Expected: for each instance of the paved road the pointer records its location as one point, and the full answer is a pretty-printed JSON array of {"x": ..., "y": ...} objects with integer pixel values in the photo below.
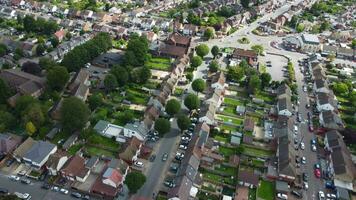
[
  {"x": 156, "y": 174},
  {"x": 34, "y": 189}
]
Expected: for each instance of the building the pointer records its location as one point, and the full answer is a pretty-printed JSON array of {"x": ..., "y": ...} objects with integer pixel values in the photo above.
[
  {"x": 330, "y": 120},
  {"x": 23, "y": 83},
  {"x": 109, "y": 130},
  {"x": 286, "y": 165},
  {"x": 292, "y": 43},
  {"x": 37, "y": 155},
  {"x": 79, "y": 87},
  {"x": 248, "y": 55},
  {"x": 136, "y": 129},
  {"x": 340, "y": 167},
  {"x": 219, "y": 81},
  {"x": 56, "y": 161},
  {"x": 326, "y": 102},
  {"x": 75, "y": 170},
  {"x": 284, "y": 106},
  {"x": 131, "y": 150},
  {"x": 310, "y": 43},
  {"x": 8, "y": 143}
]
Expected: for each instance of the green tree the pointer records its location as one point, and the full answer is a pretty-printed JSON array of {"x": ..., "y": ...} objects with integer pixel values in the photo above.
[
  {"x": 215, "y": 50},
  {"x": 74, "y": 114},
  {"x": 57, "y": 77},
  {"x": 245, "y": 3},
  {"x": 162, "y": 126},
  {"x": 140, "y": 75},
  {"x": 258, "y": 49},
  {"x": 30, "y": 128},
  {"x": 192, "y": 101},
  {"x": 172, "y": 107},
  {"x": 40, "y": 49},
  {"x": 324, "y": 26},
  {"x": 121, "y": 75},
  {"x": 352, "y": 98},
  {"x": 183, "y": 122},
  {"x": 23, "y": 102},
  {"x": 54, "y": 42},
  {"x": 340, "y": 88},
  {"x": 209, "y": 33},
  {"x": 134, "y": 181},
  {"x": 95, "y": 100},
  {"x": 196, "y": 61},
  {"x": 110, "y": 82},
  {"x": 214, "y": 66},
  {"x": 3, "y": 50},
  {"x": 265, "y": 79},
  {"x": 46, "y": 63},
  {"x": 254, "y": 84},
  {"x": 137, "y": 51},
  {"x": 300, "y": 27},
  {"x": 353, "y": 44},
  {"x": 198, "y": 85},
  {"x": 236, "y": 73},
  {"x": 34, "y": 114},
  {"x": 4, "y": 92},
  {"x": 202, "y": 50},
  {"x": 7, "y": 121}
]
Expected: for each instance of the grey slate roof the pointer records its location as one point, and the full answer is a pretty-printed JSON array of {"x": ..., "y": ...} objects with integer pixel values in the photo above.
[{"x": 39, "y": 151}]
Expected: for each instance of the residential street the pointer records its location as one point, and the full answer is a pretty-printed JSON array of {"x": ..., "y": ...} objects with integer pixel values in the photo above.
[{"x": 157, "y": 170}]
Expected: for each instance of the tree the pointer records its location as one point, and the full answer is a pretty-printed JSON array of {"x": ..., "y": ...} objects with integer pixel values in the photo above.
[
  {"x": 192, "y": 101},
  {"x": 353, "y": 44},
  {"x": 258, "y": 49},
  {"x": 4, "y": 92},
  {"x": 300, "y": 27},
  {"x": 209, "y": 33},
  {"x": 34, "y": 114},
  {"x": 134, "y": 181},
  {"x": 352, "y": 98},
  {"x": 95, "y": 100},
  {"x": 54, "y": 42},
  {"x": 202, "y": 50},
  {"x": 7, "y": 121},
  {"x": 254, "y": 84},
  {"x": 265, "y": 79},
  {"x": 245, "y": 3},
  {"x": 3, "y": 50},
  {"x": 137, "y": 51},
  {"x": 23, "y": 102},
  {"x": 196, "y": 61},
  {"x": 30, "y": 128},
  {"x": 31, "y": 67},
  {"x": 324, "y": 26},
  {"x": 198, "y": 85},
  {"x": 121, "y": 74},
  {"x": 236, "y": 73},
  {"x": 183, "y": 122},
  {"x": 110, "y": 82},
  {"x": 140, "y": 75},
  {"x": 215, "y": 51},
  {"x": 74, "y": 114},
  {"x": 214, "y": 66},
  {"x": 340, "y": 88},
  {"x": 331, "y": 57},
  {"x": 162, "y": 126},
  {"x": 172, "y": 107},
  {"x": 46, "y": 63},
  {"x": 57, "y": 77},
  {"x": 40, "y": 49}
]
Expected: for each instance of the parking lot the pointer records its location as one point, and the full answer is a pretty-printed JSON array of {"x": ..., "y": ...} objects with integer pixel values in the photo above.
[{"x": 276, "y": 63}]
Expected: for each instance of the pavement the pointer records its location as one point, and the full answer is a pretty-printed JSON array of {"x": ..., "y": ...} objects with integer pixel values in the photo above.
[{"x": 156, "y": 171}]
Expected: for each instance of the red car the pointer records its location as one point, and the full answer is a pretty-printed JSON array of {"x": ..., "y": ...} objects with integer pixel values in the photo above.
[
  {"x": 311, "y": 128},
  {"x": 317, "y": 173}
]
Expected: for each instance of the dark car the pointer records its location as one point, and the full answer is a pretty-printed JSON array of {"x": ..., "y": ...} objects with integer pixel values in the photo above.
[
  {"x": 9, "y": 162},
  {"x": 76, "y": 195},
  {"x": 86, "y": 197},
  {"x": 4, "y": 191},
  {"x": 299, "y": 195},
  {"x": 46, "y": 186},
  {"x": 152, "y": 158},
  {"x": 25, "y": 181},
  {"x": 305, "y": 177},
  {"x": 329, "y": 185}
]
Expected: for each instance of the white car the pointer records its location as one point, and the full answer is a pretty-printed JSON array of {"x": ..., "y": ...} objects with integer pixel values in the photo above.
[
  {"x": 185, "y": 138},
  {"x": 183, "y": 147},
  {"x": 14, "y": 178},
  {"x": 321, "y": 195},
  {"x": 306, "y": 186},
  {"x": 313, "y": 147},
  {"x": 295, "y": 129},
  {"x": 139, "y": 164},
  {"x": 302, "y": 146},
  {"x": 282, "y": 196},
  {"x": 64, "y": 191},
  {"x": 305, "y": 89},
  {"x": 332, "y": 196},
  {"x": 304, "y": 160}
]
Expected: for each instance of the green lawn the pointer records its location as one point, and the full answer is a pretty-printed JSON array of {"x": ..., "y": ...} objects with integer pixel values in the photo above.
[
  {"x": 231, "y": 120},
  {"x": 74, "y": 149},
  {"x": 256, "y": 152},
  {"x": 265, "y": 97},
  {"x": 231, "y": 171},
  {"x": 233, "y": 102},
  {"x": 222, "y": 138},
  {"x": 158, "y": 63},
  {"x": 225, "y": 127},
  {"x": 61, "y": 136},
  {"x": 105, "y": 142},
  {"x": 95, "y": 151},
  {"x": 137, "y": 96},
  {"x": 226, "y": 151},
  {"x": 266, "y": 190},
  {"x": 229, "y": 110}
]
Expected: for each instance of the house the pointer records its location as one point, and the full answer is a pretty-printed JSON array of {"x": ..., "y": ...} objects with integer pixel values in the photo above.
[
  {"x": 216, "y": 98},
  {"x": 23, "y": 83},
  {"x": 109, "y": 130},
  {"x": 208, "y": 114},
  {"x": 151, "y": 36},
  {"x": 236, "y": 138},
  {"x": 321, "y": 86},
  {"x": 286, "y": 165},
  {"x": 60, "y": 34},
  {"x": 326, "y": 102},
  {"x": 75, "y": 170},
  {"x": 170, "y": 51},
  {"x": 283, "y": 91},
  {"x": 310, "y": 43},
  {"x": 21, "y": 150},
  {"x": 249, "y": 124},
  {"x": 249, "y": 55},
  {"x": 292, "y": 43},
  {"x": 80, "y": 85},
  {"x": 8, "y": 143},
  {"x": 176, "y": 39},
  {"x": 284, "y": 107},
  {"x": 190, "y": 29},
  {"x": 219, "y": 81},
  {"x": 340, "y": 167},
  {"x": 132, "y": 150},
  {"x": 248, "y": 178},
  {"x": 28, "y": 48},
  {"x": 70, "y": 141},
  {"x": 330, "y": 120},
  {"x": 56, "y": 161},
  {"x": 152, "y": 112},
  {"x": 38, "y": 154},
  {"x": 8, "y": 13},
  {"x": 135, "y": 129}
]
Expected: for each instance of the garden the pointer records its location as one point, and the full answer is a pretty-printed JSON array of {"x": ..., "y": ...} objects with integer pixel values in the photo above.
[
  {"x": 266, "y": 190},
  {"x": 159, "y": 63}
]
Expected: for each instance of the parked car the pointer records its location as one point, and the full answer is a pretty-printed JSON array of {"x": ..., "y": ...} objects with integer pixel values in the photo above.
[
  {"x": 183, "y": 147},
  {"x": 46, "y": 186},
  {"x": 317, "y": 166},
  {"x": 311, "y": 128},
  {"x": 304, "y": 160},
  {"x": 25, "y": 181},
  {"x": 64, "y": 191},
  {"x": 299, "y": 195},
  {"x": 313, "y": 141},
  {"x": 331, "y": 196},
  {"x": 317, "y": 173},
  {"x": 86, "y": 197},
  {"x": 165, "y": 157},
  {"x": 313, "y": 147},
  {"x": 153, "y": 157},
  {"x": 305, "y": 185},
  {"x": 14, "y": 178},
  {"x": 76, "y": 195},
  {"x": 55, "y": 188},
  {"x": 302, "y": 146},
  {"x": 9, "y": 162},
  {"x": 305, "y": 177},
  {"x": 329, "y": 185},
  {"x": 139, "y": 164},
  {"x": 321, "y": 195},
  {"x": 4, "y": 191},
  {"x": 21, "y": 173},
  {"x": 282, "y": 196},
  {"x": 169, "y": 183}
]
